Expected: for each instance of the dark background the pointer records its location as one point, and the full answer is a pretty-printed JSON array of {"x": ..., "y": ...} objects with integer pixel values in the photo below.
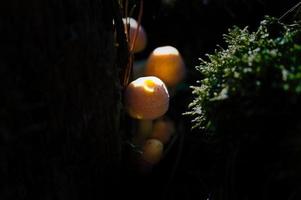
[
  {"x": 61, "y": 100},
  {"x": 193, "y": 168}
]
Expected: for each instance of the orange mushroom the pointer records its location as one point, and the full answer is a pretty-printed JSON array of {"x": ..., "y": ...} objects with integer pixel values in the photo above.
[
  {"x": 167, "y": 64},
  {"x": 152, "y": 151},
  {"x": 141, "y": 40},
  {"x": 163, "y": 129},
  {"x": 146, "y": 98}
]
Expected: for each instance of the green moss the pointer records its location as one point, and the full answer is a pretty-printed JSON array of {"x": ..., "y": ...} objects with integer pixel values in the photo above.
[{"x": 257, "y": 74}]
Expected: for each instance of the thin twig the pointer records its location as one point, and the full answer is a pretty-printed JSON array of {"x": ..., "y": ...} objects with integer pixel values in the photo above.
[
  {"x": 139, "y": 24},
  {"x": 289, "y": 11},
  {"x": 126, "y": 20},
  {"x": 129, "y": 67}
]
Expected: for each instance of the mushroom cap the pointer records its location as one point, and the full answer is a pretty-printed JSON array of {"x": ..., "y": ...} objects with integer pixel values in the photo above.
[
  {"x": 141, "y": 40},
  {"x": 162, "y": 130},
  {"x": 146, "y": 98},
  {"x": 167, "y": 64},
  {"x": 152, "y": 151}
]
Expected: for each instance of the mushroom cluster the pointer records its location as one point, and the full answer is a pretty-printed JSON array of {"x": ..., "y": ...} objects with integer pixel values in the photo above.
[{"x": 146, "y": 98}]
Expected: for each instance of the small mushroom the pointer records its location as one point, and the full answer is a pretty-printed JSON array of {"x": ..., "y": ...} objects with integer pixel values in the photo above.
[
  {"x": 141, "y": 40},
  {"x": 146, "y": 98},
  {"x": 152, "y": 151},
  {"x": 167, "y": 64},
  {"x": 162, "y": 130}
]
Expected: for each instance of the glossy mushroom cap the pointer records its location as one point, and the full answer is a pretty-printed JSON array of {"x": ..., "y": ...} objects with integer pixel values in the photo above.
[
  {"x": 141, "y": 40},
  {"x": 167, "y": 64},
  {"x": 146, "y": 98}
]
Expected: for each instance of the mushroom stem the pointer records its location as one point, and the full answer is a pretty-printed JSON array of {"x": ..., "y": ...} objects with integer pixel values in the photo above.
[{"x": 144, "y": 130}]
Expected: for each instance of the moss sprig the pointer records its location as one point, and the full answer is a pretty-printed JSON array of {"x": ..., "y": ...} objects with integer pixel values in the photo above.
[{"x": 242, "y": 79}]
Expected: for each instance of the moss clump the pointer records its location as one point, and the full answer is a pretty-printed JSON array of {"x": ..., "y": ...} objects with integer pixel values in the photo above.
[{"x": 256, "y": 77}]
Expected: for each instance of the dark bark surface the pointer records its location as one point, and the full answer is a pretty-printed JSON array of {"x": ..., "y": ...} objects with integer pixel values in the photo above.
[{"x": 60, "y": 102}]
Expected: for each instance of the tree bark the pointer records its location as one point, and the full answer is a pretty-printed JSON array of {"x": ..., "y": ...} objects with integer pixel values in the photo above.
[{"x": 61, "y": 100}]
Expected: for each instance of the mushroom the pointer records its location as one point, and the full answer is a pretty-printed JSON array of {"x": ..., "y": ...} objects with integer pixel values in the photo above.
[
  {"x": 162, "y": 130},
  {"x": 146, "y": 98},
  {"x": 141, "y": 40},
  {"x": 152, "y": 151},
  {"x": 167, "y": 64}
]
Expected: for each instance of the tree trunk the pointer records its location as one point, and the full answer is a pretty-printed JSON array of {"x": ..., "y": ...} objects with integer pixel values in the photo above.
[{"x": 59, "y": 116}]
